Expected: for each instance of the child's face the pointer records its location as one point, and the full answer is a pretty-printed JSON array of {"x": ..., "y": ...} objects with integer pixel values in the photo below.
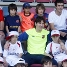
[
  {"x": 47, "y": 64},
  {"x": 64, "y": 64},
  {"x": 14, "y": 39},
  {"x": 40, "y": 11},
  {"x": 27, "y": 10},
  {"x": 39, "y": 25},
  {"x": 1, "y": 65},
  {"x": 55, "y": 38},
  {"x": 12, "y": 12}
]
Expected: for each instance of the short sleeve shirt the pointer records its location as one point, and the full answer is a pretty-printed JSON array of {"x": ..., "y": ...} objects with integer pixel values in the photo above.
[{"x": 58, "y": 21}]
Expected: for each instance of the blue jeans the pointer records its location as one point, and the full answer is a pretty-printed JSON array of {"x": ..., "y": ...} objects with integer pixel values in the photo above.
[{"x": 35, "y": 59}]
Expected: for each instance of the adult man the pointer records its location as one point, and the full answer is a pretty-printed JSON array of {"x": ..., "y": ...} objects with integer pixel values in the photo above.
[
  {"x": 36, "y": 41},
  {"x": 57, "y": 18}
]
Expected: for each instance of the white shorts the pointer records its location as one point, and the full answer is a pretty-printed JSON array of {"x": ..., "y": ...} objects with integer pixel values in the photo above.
[
  {"x": 60, "y": 57},
  {"x": 13, "y": 60}
]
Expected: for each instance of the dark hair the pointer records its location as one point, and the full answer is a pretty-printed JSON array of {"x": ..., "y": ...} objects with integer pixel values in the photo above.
[
  {"x": 11, "y": 7},
  {"x": 39, "y": 19},
  {"x": 46, "y": 59},
  {"x": 58, "y": 1},
  {"x": 38, "y": 6}
]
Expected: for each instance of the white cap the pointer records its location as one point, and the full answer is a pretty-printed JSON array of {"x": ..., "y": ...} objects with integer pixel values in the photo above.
[
  {"x": 55, "y": 33},
  {"x": 13, "y": 33}
]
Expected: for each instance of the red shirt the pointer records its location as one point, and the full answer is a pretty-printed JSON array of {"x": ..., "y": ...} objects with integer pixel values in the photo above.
[{"x": 1, "y": 15}]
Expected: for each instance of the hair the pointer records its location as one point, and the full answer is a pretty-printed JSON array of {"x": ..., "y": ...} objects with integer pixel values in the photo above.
[
  {"x": 20, "y": 65},
  {"x": 39, "y": 19},
  {"x": 1, "y": 62},
  {"x": 11, "y": 7},
  {"x": 46, "y": 59},
  {"x": 38, "y": 6},
  {"x": 58, "y": 1}
]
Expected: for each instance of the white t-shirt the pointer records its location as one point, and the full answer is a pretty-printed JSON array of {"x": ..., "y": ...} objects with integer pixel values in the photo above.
[
  {"x": 58, "y": 55},
  {"x": 12, "y": 53},
  {"x": 14, "y": 49},
  {"x": 59, "y": 21}
]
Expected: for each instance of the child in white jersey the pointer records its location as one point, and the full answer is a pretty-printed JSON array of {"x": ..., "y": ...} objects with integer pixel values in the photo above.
[
  {"x": 14, "y": 51},
  {"x": 55, "y": 48}
]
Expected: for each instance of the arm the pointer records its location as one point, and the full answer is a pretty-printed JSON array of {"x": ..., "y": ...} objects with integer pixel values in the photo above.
[
  {"x": 7, "y": 29},
  {"x": 48, "y": 55},
  {"x": 2, "y": 25},
  {"x": 19, "y": 30},
  {"x": 47, "y": 51},
  {"x": 52, "y": 26},
  {"x": 1, "y": 20}
]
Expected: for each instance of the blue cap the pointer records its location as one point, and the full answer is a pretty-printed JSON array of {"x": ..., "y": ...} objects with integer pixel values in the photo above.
[{"x": 26, "y": 4}]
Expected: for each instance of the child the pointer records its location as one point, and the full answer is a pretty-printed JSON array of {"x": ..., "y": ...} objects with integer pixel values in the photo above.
[
  {"x": 12, "y": 20},
  {"x": 55, "y": 48},
  {"x": 40, "y": 9},
  {"x": 20, "y": 64},
  {"x": 1, "y": 62},
  {"x": 46, "y": 61},
  {"x": 27, "y": 16},
  {"x": 64, "y": 63},
  {"x": 13, "y": 52}
]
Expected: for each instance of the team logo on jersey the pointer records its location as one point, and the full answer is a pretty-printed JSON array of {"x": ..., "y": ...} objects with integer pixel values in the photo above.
[
  {"x": 17, "y": 21},
  {"x": 43, "y": 36}
]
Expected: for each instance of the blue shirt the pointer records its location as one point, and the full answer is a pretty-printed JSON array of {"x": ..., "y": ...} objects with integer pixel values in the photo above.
[
  {"x": 13, "y": 22},
  {"x": 45, "y": 16}
]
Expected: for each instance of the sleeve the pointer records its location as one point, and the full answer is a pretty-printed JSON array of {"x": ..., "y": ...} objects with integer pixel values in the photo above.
[
  {"x": 20, "y": 50},
  {"x": 0, "y": 48},
  {"x": 1, "y": 15},
  {"x": 50, "y": 18},
  {"x": 48, "y": 48},
  {"x": 5, "y": 53},
  {"x": 23, "y": 36}
]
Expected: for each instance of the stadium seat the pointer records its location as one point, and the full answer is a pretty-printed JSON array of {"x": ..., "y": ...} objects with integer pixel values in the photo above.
[
  {"x": 36, "y": 65},
  {"x": 42, "y": 0},
  {"x": 9, "y": 0},
  {"x": 65, "y": 1},
  {"x": 5, "y": 11},
  {"x": 49, "y": 9},
  {"x": 26, "y": 0}
]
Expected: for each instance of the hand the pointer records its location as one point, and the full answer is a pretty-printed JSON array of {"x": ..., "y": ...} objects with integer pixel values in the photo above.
[
  {"x": 62, "y": 33},
  {"x": 6, "y": 46}
]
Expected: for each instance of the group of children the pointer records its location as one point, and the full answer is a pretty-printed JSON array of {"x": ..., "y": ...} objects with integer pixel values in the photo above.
[{"x": 20, "y": 22}]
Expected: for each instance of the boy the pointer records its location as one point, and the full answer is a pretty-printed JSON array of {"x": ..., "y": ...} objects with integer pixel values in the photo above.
[
  {"x": 64, "y": 63},
  {"x": 20, "y": 64},
  {"x": 36, "y": 41},
  {"x": 12, "y": 20},
  {"x": 26, "y": 17},
  {"x": 13, "y": 52},
  {"x": 40, "y": 11},
  {"x": 57, "y": 19},
  {"x": 46, "y": 61},
  {"x": 1, "y": 62},
  {"x": 55, "y": 48}
]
